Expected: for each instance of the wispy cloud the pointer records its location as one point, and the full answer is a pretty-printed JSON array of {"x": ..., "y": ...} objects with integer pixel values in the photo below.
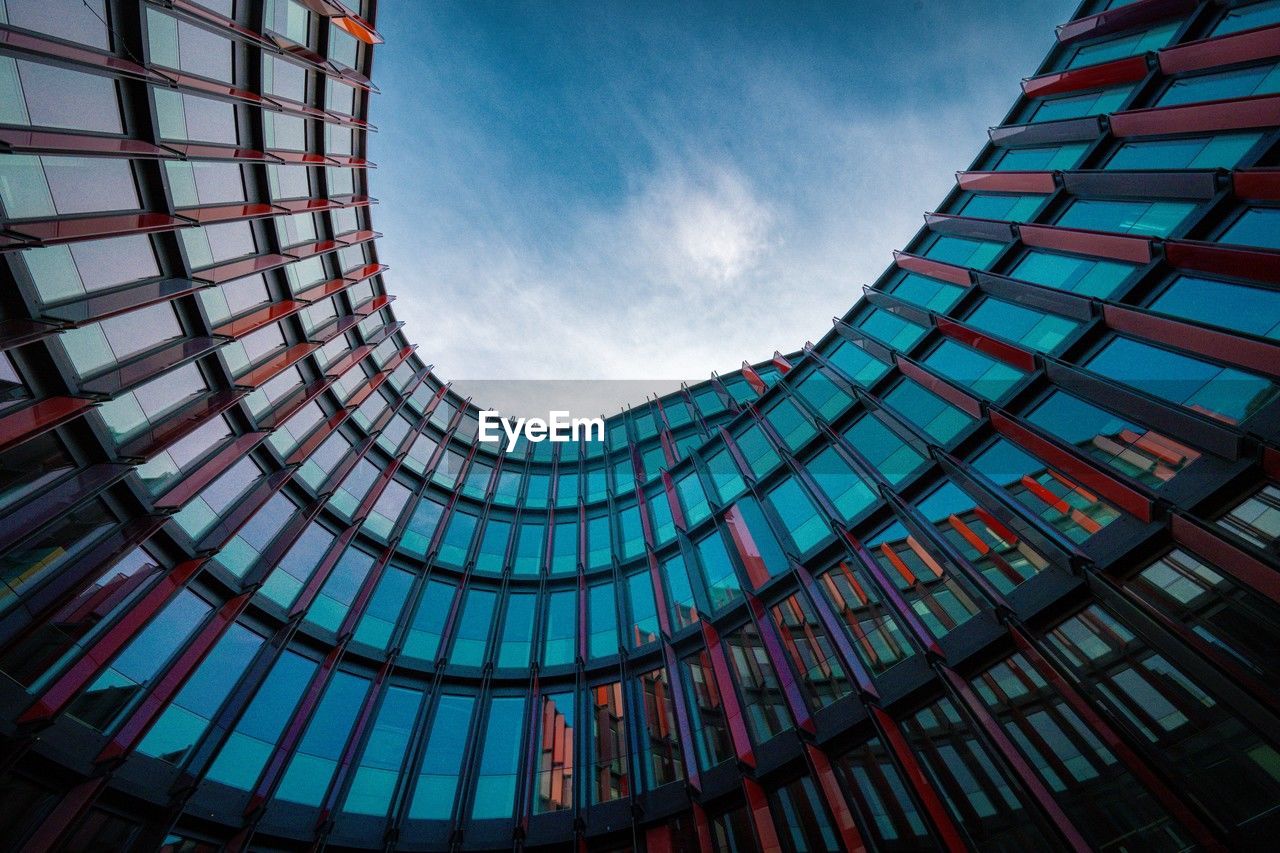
[
  {"x": 737, "y": 226},
  {"x": 696, "y": 227}
]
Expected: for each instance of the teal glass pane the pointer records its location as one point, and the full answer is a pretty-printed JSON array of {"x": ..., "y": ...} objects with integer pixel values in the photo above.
[
  {"x": 602, "y": 620},
  {"x": 790, "y": 424},
  {"x": 437, "y": 783},
  {"x": 724, "y": 476},
  {"x": 382, "y": 613},
  {"x": 1085, "y": 276},
  {"x": 931, "y": 413},
  {"x": 718, "y": 571},
  {"x": 879, "y": 445},
  {"x": 1122, "y": 46},
  {"x": 644, "y": 625},
  {"x": 1255, "y": 310},
  {"x": 340, "y": 589},
  {"x": 423, "y": 638},
  {"x": 1077, "y": 106},
  {"x": 755, "y": 448},
  {"x": 801, "y": 517},
  {"x": 1222, "y": 392},
  {"x": 1131, "y": 449},
  {"x": 493, "y": 546},
  {"x": 1007, "y": 208},
  {"x": 1257, "y": 226},
  {"x": 822, "y": 395},
  {"x": 559, "y": 643},
  {"x": 1042, "y": 159},
  {"x": 693, "y": 499},
  {"x": 1025, "y": 326},
  {"x": 185, "y": 720},
  {"x": 471, "y": 638},
  {"x": 421, "y": 527},
  {"x": 1223, "y": 85},
  {"x": 841, "y": 484},
  {"x": 307, "y": 777},
  {"x": 251, "y": 742},
  {"x": 891, "y": 329},
  {"x": 664, "y": 524},
  {"x": 374, "y": 782},
  {"x": 1139, "y": 218},
  {"x": 499, "y": 759},
  {"x": 680, "y": 601},
  {"x": 926, "y": 292},
  {"x": 770, "y": 550},
  {"x": 1249, "y": 17},
  {"x": 963, "y": 252},
  {"x": 981, "y": 373},
  {"x": 1223, "y": 151},
  {"x": 517, "y": 631},
  {"x": 529, "y": 545},
  {"x": 599, "y": 543},
  {"x": 631, "y": 531},
  {"x": 564, "y": 553},
  {"x": 456, "y": 541},
  {"x": 858, "y": 366}
]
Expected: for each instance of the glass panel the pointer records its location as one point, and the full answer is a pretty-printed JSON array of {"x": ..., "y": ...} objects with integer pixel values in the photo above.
[
  {"x": 307, "y": 777},
  {"x": 251, "y": 743},
  {"x": 188, "y": 716},
  {"x": 499, "y": 760},
  {"x": 762, "y": 702},
  {"x": 1135, "y": 451},
  {"x": 437, "y": 787},
  {"x": 553, "y": 790},
  {"x": 1256, "y": 519},
  {"x": 373, "y": 783},
  {"x": 1050, "y": 495},
  {"x": 1222, "y": 393},
  {"x": 1211, "y": 752},
  {"x": 662, "y": 739},
  {"x": 609, "y": 754}
]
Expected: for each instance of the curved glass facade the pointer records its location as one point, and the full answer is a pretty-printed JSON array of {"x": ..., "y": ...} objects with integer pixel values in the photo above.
[{"x": 991, "y": 565}]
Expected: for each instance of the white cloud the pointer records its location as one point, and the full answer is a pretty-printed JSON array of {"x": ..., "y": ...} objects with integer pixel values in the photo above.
[
  {"x": 755, "y": 219},
  {"x": 698, "y": 225}
]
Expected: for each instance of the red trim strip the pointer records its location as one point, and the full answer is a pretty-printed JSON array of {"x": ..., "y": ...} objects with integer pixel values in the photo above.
[
  {"x": 948, "y": 832},
  {"x": 1007, "y": 182},
  {"x": 1116, "y": 246},
  {"x": 101, "y": 652},
  {"x": 1242, "y": 566},
  {"x": 1239, "y": 114},
  {"x": 761, "y": 818},
  {"x": 1120, "y": 494},
  {"x": 745, "y": 544},
  {"x": 728, "y": 695},
  {"x": 1006, "y": 352},
  {"x": 1261, "y": 184},
  {"x": 933, "y": 269},
  {"x": 1261, "y": 43},
  {"x": 1256, "y": 264},
  {"x": 194, "y": 481},
  {"x": 167, "y": 687},
  {"x": 38, "y": 418},
  {"x": 953, "y": 395},
  {"x": 1254, "y": 355},
  {"x": 1127, "y": 70},
  {"x": 829, "y": 785}
]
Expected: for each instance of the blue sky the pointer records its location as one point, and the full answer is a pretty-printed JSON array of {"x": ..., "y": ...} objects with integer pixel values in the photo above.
[{"x": 656, "y": 190}]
